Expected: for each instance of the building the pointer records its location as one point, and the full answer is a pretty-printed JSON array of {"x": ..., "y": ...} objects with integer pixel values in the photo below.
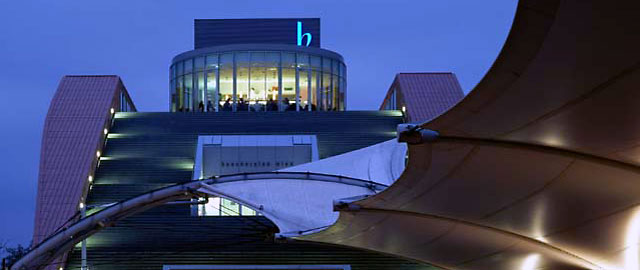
[
  {"x": 279, "y": 103},
  {"x": 423, "y": 96},
  {"x": 515, "y": 176},
  {"x": 258, "y": 65}
]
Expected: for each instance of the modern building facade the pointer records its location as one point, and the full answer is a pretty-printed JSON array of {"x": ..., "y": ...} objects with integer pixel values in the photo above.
[
  {"x": 515, "y": 176},
  {"x": 260, "y": 102},
  {"x": 258, "y": 65}
]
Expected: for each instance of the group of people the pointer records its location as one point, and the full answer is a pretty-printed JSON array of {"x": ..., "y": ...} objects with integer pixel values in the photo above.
[{"x": 242, "y": 105}]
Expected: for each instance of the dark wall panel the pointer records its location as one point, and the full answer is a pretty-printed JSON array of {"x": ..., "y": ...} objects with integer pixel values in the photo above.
[{"x": 216, "y": 32}]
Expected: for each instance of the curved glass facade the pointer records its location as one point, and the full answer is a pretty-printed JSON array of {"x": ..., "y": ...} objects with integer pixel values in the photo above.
[{"x": 257, "y": 81}]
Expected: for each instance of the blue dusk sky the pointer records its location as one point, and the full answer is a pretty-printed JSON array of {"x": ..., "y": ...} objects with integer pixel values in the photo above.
[{"x": 41, "y": 41}]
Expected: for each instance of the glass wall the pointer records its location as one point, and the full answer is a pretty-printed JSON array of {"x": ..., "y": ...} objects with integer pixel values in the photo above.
[{"x": 257, "y": 81}]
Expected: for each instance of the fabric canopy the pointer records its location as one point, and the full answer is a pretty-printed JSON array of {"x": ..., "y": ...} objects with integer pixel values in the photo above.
[{"x": 537, "y": 167}]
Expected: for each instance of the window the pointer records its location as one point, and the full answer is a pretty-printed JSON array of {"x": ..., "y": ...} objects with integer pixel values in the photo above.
[
  {"x": 288, "y": 89},
  {"x": 324, "y": 92},
  {"x": 211, "y": 90},
  {"x": 258, "y": 89},
  {"x": 314, "y": 89},
  {"x": 188, "y": 66},
  {"x": 254, "y": 81},
  {"x": 180, "y": 91},
  {"x": 225, "y": 96},
  {"x": 200, "y": 98},
  {"x": 212, "y": 61},
  {"x": 199, "y": 63},
  {"x": 304, "y": 80},
  {"x": 242, "y": 86},
  {"x": 288, "y": 60},
  {"x": 217, "y": 206},
  {"x": 188, "y": 92}
]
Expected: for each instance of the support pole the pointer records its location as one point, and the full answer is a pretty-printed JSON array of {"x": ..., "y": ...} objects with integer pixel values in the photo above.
[{"x": 83, "y": 266}]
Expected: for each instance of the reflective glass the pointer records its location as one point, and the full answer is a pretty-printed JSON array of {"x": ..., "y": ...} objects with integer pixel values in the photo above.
[
  {"x": 174, "y": 98},
  {"x": 324, "y": 93},
  {"x": 188, "y": 66},
  {"x": 304, "y": 89},
  {"x": 226, "y": 60},
  {"x": 257, "y": 59},
  {"x": 314, "y": 90},
  {"x": 226, "y": 88},
  {"x": 179, "y": 68},
  {"x": 199, "y": 63},
  {"x": 316, "y": 63},
  {"x": 229, "y": 208},
  {"x": 212, "y": 61},
  {"x": 211, "y": 90},
  {"x": 288, "y": 89},
  {"x": 343, "y": 97},
  {"x": 272, "y": 59},
  {"x": 242, "y": 88},
  {"x": 258, "y": 89},
  {"x": 335, "y": 94},
  {"x": 288, "y": 60},
  {"x": 242, "y": 59},
  {"x": 326, "y": 64},
  {"x": 246, "y": 211},
  {"x": 303, "y": 60},
  {"x": 272, "y": 89},
  {"x": 180, "y": 92},
  {"x": 188, "y": 92},
  {"x": 200, "y": 106}
]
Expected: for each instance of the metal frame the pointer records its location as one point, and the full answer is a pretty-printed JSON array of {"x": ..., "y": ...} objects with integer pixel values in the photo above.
[{"x": 59, "y": 243}]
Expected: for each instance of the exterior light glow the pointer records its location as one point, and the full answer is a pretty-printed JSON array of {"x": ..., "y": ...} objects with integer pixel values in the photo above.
[
  {"x": 81, "y": 205},
  {"x": 98, "y": 153},
  {"x": 631, "y": 239},
  {"x": 530, "y": 262},
  {"x": 90, "y": 178},
  {"x": 60, "y": 268},
  {"x": 404, "y": 109},
  {"x": 105, "y": 131},
  {"x": 113, "y": 110}
]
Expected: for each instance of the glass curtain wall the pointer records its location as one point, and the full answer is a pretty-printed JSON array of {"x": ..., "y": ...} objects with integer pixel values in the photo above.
[{"x": 257, "y": 81}]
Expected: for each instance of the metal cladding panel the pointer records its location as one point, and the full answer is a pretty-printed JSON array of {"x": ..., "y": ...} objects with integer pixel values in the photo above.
[
  {"x": 216, "y": 32},
  {"x": 427, "y": 95},
  {"x": 78, "y": 112}
]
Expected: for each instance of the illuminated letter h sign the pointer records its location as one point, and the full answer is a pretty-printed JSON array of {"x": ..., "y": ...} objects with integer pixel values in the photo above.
[{"x": 301, "y": 36}]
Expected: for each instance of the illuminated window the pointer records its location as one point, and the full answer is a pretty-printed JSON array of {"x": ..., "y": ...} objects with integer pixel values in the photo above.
[
  {"x": 225, "y": 96},
  {"x": 288, "y": 89},
  {"x": 224, "y": 207}
]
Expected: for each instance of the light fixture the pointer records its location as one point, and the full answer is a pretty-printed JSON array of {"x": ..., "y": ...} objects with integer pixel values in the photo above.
[
  {"x": 105, "y": 131},
  {"x": 98, "y": 153},
  {"x": 404, "y": 109},
  {"x": 113, "y": 110},
  {"x": 60, "y": 268},
  {"x": 90, "y": 178},
  {"x": 530, "y": 262},
  {"x": 81, "y": 205}
]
